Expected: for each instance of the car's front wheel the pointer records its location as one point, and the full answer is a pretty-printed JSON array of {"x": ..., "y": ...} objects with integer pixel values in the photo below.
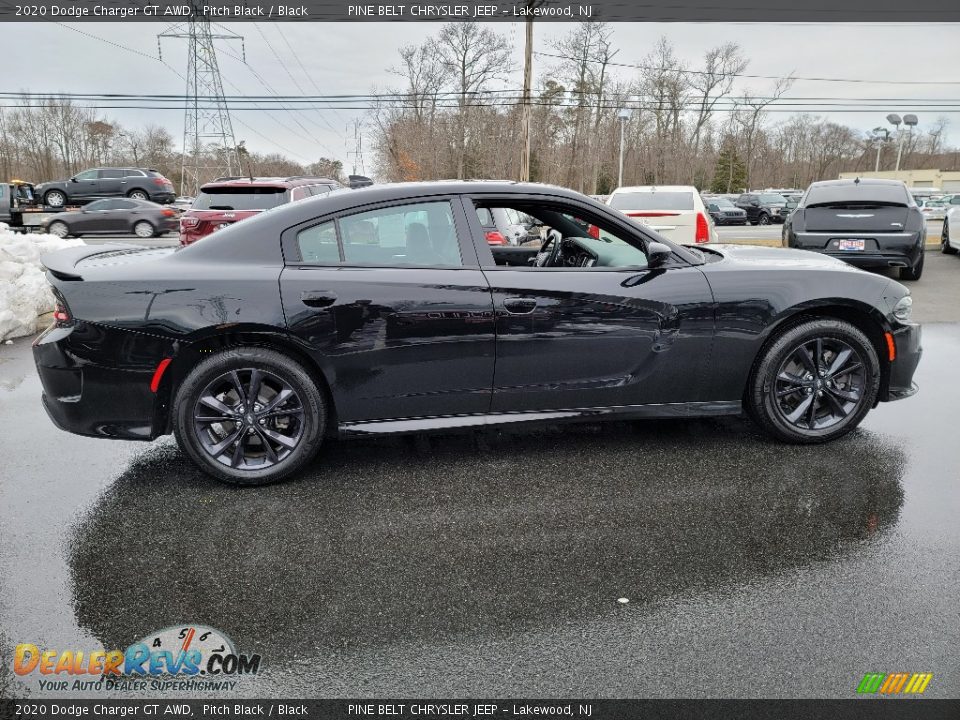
[
  {"x": 945, "y": 247},
  {"x": 814, "y": 382},
  {"x": 144, "y": 229},
  {"x": 58, "y": 228},
  {"x": 764, "y": 219},
  {"x": 249, "y": 416},
  {"x": 55, "y": 198}
]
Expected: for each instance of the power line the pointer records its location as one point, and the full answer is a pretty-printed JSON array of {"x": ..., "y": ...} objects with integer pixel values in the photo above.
[{"x": 684, "y": 71}]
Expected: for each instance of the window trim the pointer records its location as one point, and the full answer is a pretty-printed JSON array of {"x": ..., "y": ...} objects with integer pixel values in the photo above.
[
  {"x": 291, "y": 249},
  {"x": 488, "y": 262}
]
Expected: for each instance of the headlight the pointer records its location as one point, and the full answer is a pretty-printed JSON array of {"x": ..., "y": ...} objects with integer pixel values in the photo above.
[{"x": 903, "y": 309}]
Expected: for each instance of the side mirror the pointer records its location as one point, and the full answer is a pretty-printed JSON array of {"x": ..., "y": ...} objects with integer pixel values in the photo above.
[
  {"x": 657, "y": 254},
  {"x": 74, "y": 179}
]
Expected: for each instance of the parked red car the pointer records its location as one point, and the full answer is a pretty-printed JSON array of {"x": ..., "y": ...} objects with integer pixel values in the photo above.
[{"x": 231, "y": 199}]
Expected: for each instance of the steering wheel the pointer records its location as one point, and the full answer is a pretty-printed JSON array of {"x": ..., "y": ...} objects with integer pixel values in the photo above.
[{"x": 549, "y": 253}]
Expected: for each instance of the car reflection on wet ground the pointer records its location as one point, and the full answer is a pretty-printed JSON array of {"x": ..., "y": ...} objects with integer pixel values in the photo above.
[{"x": 494, "y": 564}]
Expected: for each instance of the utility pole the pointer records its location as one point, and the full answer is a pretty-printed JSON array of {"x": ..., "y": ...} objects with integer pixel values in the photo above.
[
  {"x": 526, "y": 110},
  {"x": 209, "y": 145},
  {"x": 624, "y": 115}
]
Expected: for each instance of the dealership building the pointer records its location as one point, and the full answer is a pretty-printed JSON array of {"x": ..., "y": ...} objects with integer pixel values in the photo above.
[{"x": 945, "y": 180}]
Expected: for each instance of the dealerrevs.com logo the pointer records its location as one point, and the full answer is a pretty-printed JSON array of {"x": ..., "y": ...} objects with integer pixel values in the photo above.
[{"x": 184, "y": 657}]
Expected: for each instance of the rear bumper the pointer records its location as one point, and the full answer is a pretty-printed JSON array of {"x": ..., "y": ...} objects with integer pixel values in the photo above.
[
  {"x": 878, "y": 260},
  {"x": 87, "y": 391},
  {"x": 906, "y": 340}
]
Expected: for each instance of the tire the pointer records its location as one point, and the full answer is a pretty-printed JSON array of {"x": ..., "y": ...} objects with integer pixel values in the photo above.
[
  {"x": 257, "y": 459},
  {"x": 790, "y": 409},
  {"x": 913, "y": 273},
  {"x": 144, "y": 229},
  {"x": 59, "y": 229},
  {"x": 764, "y": 219},
  {"x": 138, "y": 195},
  {"x": 55, "y": 198},
  {"x": 945, "y": 247}
]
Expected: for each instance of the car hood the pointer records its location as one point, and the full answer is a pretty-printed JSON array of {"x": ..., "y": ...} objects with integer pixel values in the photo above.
[{"x": 774, "y": 257}]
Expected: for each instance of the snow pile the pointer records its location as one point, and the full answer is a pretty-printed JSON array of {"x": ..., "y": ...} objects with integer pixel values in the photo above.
[{"x": 24, "y": 291}]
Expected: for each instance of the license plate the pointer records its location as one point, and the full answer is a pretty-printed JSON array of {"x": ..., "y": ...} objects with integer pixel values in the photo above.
[{"x": 851, "y": 244}]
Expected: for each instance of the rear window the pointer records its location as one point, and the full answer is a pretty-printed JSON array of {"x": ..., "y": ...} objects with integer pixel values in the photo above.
[
  {"x": 652, "y": 201},
  {"x": 858, "y": 194},
  {"x": 240, "y": 198}
]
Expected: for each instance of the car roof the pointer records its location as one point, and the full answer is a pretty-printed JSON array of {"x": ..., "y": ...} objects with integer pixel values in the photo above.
[
  {"x": 656, "y": 188},
  {"x": 859, "y": 181},
  {"x": 284, "y": 182}
]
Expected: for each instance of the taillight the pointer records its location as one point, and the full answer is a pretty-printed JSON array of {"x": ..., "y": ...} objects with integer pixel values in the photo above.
[
  {"x": 703, "y": 229},
  {"x": 495, "y": 238},
  {"x": 62, "y": 317},
  {"x": 594, "y": 232},
  {"x": 167, "y": 212},
  {"x": 188, "y": 222},
  {"x": 161, "y": 181}
]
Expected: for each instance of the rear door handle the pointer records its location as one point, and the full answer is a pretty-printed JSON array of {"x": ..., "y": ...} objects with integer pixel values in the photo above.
[
  {"x": 318, "y": 298},
  {"x": 520, "y": 306}
]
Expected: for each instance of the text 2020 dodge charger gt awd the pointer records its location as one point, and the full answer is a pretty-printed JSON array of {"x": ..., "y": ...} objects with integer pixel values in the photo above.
[{"x": 384, "y": 310}]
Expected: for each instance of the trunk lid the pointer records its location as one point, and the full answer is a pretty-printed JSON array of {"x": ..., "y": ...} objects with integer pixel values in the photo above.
[{"x": 851, "y": 218}]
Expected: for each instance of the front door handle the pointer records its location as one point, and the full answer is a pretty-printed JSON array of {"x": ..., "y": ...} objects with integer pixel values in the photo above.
[
  {"x": 520, "y": 306},
  {"x": 318, "y": 298}
]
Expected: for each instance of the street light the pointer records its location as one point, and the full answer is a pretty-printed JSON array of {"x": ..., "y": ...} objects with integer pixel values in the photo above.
[
  {"x": 624, "y": 115},
  {"x": 911, "y": 122},
  {"x": 880, "y": 136}
]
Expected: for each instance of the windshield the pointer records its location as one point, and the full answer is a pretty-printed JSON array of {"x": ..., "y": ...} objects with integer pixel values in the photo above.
[
  {"x": 772, "y": 198},
  {"x": 857, "y": 194},
  {"x": 240, "y": 198},
  {"x": 652, "y": 201},
  {"x": 722, "y": 203}
]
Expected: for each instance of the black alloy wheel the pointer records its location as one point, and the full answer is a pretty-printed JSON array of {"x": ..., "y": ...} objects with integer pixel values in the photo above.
[
  {"x": 945, "y": 247},
  {"x": 814, "y": 382},
  {"x": 249, "y": 416}
]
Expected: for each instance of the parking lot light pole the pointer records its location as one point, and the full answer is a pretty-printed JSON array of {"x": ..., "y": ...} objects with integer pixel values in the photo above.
[
  {"x": 880, "y": 136},
  {"x": 624, "y": 115}
]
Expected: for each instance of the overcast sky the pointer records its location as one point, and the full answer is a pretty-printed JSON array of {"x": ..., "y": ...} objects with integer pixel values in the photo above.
[{"x": 345, "y": 58}]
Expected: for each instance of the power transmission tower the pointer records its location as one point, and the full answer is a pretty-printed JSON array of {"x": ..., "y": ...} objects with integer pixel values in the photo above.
[{"x": 209, "y": 145}]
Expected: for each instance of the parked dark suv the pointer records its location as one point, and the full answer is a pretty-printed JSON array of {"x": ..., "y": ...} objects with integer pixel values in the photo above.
[
  {"x": 868, "y": 223},
  {"x": 763, "y": 208},
  {"x": 97, "y": 183}
]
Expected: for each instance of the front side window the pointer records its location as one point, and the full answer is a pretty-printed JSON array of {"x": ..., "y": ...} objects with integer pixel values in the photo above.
[
  {"x": 419, "y": 234},
  {"x": 86, "y": 175}
]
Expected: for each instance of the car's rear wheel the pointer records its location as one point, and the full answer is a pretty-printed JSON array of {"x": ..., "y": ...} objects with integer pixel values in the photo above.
[
  {"x": 144, "y": 229},
  {"x": 138, "y": 195},
  {"x": 913, "y": 273},
  {"x": 58, "y": 228},
  {"x": 249, "y": 416},
  {"x": 945, "y": 246},
  {"x": 55, "y": 198},
  {"x": 814, "y": 382}
]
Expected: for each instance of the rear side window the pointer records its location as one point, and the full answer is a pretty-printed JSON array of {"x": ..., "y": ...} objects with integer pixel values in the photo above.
[
  {"x": 418, "y": 234},
  {"x": 652, "y": 201},
  {"x": 318, "y": 244},
  {"x": 240, "y": 198},
  {"x": 111, "y": 174},
  {"x": 859, "y": 193}
]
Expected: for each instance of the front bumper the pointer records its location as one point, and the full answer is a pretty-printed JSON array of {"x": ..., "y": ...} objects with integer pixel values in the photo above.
[
  {"x": 97, "y": 385},
  {"x": 906, "y": 340}
]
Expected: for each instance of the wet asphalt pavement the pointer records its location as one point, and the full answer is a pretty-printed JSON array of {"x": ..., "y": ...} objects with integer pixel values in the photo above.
[{"x": 491, "y": 564}]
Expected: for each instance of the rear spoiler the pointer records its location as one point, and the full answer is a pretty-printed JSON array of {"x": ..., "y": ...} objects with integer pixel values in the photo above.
[{"x": 62, "y": 263}]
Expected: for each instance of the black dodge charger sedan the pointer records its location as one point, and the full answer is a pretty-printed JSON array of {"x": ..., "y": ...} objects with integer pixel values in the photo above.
[{"x": 384, "y": 310}]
